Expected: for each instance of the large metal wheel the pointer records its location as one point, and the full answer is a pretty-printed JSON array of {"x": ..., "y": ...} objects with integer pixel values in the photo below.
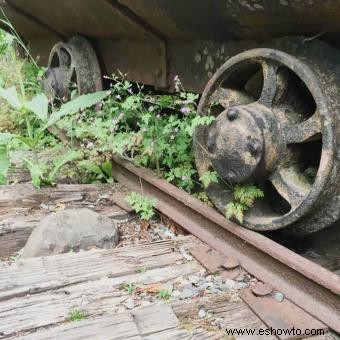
[
  {"x": 277, "y": 125},
  {"x": 72, "y": 63}
]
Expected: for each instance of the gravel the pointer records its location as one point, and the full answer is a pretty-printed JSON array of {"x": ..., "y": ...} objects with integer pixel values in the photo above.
[{"x": 279, "y": 297}]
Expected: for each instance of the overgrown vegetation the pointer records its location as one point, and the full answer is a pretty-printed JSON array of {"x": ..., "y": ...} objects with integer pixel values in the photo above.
[
  {"x": 129, "y": 287},
  {"x": 244, "y": 199},
  {"x": 76, "y": 314},
  {"x": 164, "y": 294},
  {"x": 150, "y": 129},
  {"x": 142, "y": 205}
]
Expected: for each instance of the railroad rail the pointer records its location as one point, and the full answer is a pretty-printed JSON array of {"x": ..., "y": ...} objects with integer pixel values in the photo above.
[{"x": 308, "y": 285}]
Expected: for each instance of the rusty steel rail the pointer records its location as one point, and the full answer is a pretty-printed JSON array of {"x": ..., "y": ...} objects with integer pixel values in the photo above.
[{"x": 311, "y": 287}]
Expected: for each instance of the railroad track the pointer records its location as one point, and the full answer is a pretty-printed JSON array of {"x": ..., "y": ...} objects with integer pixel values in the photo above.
[{"x": 309, "y": 286}]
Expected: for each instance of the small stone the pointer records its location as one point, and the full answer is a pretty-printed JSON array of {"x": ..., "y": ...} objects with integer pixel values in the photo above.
[
  {"x": 194, "y": 279},
  {"x": 218, "y": 280},
  {"x": 130, "y": 304},
  {"x": 241, "y": 277},
  {"x": 279, "y": 297},
  {"x": 229, "y": 283},
  {"x": 212, "y": 290},
  {"x": 202, "y": 272},
  {"x": 176, "y": 294},
  {"x": 169, "y": 234},
  {"x": 185, "y": 254},
  {"x": 187, "y": 294},
  {"x": 240, "y": 285},
  {"x": 218, "y": 322},
  {"x": 262, "y": 289},
  {"x": 202, "y": 313},
  {"x": 208, "y": 278}
]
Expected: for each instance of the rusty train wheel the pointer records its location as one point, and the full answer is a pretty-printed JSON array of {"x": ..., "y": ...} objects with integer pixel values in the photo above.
[
  {"x": 277, "y": 124},
  {"x": 72, "y": 62}
]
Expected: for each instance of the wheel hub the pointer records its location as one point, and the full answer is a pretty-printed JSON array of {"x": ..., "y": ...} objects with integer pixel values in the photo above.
[
  {"x": 72, "y": 63},
  {"x": 240, "y": 147},
  {"x": 277, "y": 123}
]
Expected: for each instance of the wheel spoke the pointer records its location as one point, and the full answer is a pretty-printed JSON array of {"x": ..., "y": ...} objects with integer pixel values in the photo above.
[
  {"x": 64, "y": 57},
  {"x": 291, "y": 185},
  {"x": 228, "y": 97},
  {"x": 303, "y": 132},
  {"x": 270, "y": 83}
]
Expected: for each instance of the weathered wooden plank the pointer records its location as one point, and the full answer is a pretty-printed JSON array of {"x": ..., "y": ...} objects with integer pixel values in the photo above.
[
  {"x": 148, "y": 323},
  {"x": 52, "y": 272},
  {"x": 234, "y": 313},
  {"x": 26, "y": 196},
  {"x": 30, "y": 312},
  {"x": 22, "y": 207}
]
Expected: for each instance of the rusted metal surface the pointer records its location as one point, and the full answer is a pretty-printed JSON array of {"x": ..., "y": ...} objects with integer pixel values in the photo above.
[
  {"x": 261, "y": 289},
  {"x": 210, "y": 260},
  {"x": 281, "y": 316},
  {"x": 176, "y": 42},
  {"x": 277, "y": 123},
  {"x": 310, "y": 286}
]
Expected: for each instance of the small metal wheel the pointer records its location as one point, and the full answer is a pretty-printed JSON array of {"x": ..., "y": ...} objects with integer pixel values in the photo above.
[
  {"x": 277, "y": 125},
  {"x": 72, "y": 63}
]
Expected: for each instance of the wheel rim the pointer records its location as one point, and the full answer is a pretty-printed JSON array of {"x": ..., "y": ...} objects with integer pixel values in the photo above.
[
  {"x": 73, "y": 62},
  {"x": 257, "y": 138}
]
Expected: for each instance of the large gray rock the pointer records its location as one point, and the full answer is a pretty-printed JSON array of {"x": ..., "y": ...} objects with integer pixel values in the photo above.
[{"x": 69, "y": 230}]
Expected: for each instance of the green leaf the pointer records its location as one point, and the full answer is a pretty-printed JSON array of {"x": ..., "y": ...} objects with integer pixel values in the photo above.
[
  {"x": 107, "y": 168},
  {"x": 90, "y": 166},
  {"x": 37, "y": 172},
  {"x": 72, "y": 107},
  {"x": 28, "y": 141},
  {"x": 143, "y": 205},
  {"x": 4, "y": 160},
  {"x": 39, "y": 106},
  {"x": 246, "y": 194},
  {"x": 209, "y": 177},
  {"x": 11, "y": 95},
  {"x": 235, "y": 210}
]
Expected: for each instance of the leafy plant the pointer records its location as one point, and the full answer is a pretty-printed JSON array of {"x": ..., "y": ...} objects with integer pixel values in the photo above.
[
  {"x": 36, "y": 111},
  {"x": 244, "y": 198},
  {"x": 38, "y": 116},
  {"x": 144, "y": 206},
  {"x": 164, "y": 294},
  {"x": 209, "y": 177},
  {"x": 76, "y": 314},
  {"x": 151, "y": 130},
  {"x": 4, "y": 160},
  {"x": 129, "y": 287},
  {"x": 203, "y": 197}
]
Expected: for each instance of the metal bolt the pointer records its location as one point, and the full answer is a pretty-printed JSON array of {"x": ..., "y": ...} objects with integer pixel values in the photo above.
[
  {"x": 254, "y": 146},
  {"x": 232, "y": 114},
  {"x": 231, "y": 174}
]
